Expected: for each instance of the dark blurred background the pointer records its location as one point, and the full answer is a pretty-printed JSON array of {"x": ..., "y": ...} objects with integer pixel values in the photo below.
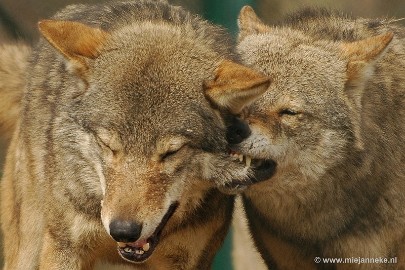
[
  {"x": 18, "y": 21},
  {"x": 18, "y": 18}
]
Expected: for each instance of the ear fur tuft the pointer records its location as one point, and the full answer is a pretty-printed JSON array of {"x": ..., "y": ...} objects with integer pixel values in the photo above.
[
  {"x": 76, "y": 41},
  {"x": 235, "y": 86},
  {"x": 249, "y": 23}
]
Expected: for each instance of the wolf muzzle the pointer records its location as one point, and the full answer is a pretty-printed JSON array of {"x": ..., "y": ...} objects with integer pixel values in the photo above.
[{"x": 127, "y": 234}]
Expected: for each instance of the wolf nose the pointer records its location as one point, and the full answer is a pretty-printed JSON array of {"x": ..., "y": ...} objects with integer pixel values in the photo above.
[
  {"x": 237, "y": 131},
  {"x": 125, "y": 231}
]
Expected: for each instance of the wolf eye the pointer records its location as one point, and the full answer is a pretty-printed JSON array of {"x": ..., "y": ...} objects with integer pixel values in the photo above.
[
  {"x": 287, "y": 112},
  {"x": 169, "y": 146},
  {"x": 171, "y": 151},
  {"x": 168, "y": 154}
]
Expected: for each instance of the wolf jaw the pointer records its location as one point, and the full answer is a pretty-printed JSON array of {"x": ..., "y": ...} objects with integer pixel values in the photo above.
[
  {"x": 140, "y": 250},
  {"x": 263, "y": 169}
]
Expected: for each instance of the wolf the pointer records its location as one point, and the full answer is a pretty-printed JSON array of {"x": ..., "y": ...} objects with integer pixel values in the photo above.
[
  {"x": 119, "y": 150},
  {"x": 332, "y": 123}
]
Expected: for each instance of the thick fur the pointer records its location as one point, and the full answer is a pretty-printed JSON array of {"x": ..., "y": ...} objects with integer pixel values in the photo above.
[
  {"x": 117, "y": 125},
  {"x": 13, "y": 65},
  {"x": 334, "y": 121}
]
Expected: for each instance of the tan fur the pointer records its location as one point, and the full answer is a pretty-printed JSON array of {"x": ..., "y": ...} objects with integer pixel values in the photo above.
[
  {"x": 128, "y": 139},
  {"x": 333, "y": 120},
  {"x": 249, "y": 22},
  {"x": 13, "y": 64},
  {"x": 235, "y": 87}
]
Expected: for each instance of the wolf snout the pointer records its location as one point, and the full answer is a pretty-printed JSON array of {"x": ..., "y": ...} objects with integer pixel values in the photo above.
[
  {"x": 125, "y": 231},
  {"x": 237, "y": 131}
]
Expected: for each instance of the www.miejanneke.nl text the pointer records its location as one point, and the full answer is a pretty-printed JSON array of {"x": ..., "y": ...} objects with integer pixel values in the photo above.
[{"x": 356, "y": 260}]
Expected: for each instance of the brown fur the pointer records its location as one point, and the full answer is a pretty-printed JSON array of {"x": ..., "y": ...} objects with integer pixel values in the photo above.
[
  {"x": 116, "y": 126},
  {"x": 334, "y": 121},
  {"x": 13, "y": 65}
]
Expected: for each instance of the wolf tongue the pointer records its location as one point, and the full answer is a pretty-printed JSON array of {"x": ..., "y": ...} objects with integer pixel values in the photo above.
[{"x": 139, "y": 243}]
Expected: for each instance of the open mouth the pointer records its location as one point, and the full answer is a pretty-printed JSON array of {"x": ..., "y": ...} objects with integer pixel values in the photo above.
[
  {"x": 142, "y": 249},
  {"x": 263, "y": 169}
]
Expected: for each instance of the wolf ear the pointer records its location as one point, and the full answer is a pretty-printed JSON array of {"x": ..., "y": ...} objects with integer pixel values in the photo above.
[
  {"x": 361, "y": 54},
  {"x": 74, "y": 40},
  {"x": 235, "y": 86},
  {"x": 249, "y": 23}
]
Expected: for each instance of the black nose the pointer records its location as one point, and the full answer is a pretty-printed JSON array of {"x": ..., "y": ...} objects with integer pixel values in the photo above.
[
  {"x": 125, "y": 231},
  {"x": 237, "y": 131}
]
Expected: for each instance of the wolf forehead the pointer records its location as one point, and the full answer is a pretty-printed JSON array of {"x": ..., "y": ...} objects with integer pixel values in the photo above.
[
  {"x": 153, "y": 80},
  {"x": 150, "y": 70},
  {"x": 287, "y": 51}
]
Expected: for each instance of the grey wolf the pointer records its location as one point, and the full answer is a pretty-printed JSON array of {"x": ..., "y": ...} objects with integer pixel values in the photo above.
[
  {"x": 332, "y": 123},
  {"x": 120, "y": 147}
]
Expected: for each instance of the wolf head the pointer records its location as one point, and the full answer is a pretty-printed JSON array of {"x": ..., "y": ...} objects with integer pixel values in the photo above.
[
  {"x": 309, "y": 119},
  {"x": 144, "y": 94}
]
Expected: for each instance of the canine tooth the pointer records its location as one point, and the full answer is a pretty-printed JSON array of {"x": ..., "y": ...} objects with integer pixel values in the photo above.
[
  {"x": 240, "y": 157},
  {"x": 146, "y": 247},
  {"x": 139, "y": 251},
  {"x": 248, "y": 161}
]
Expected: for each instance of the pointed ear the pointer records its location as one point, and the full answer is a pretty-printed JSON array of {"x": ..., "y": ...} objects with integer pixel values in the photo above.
[
  {"x": 74, "y": 40},
  {"x": 249, "y": 23},
  {"x": 361, "y": 54},
  {"x": 235, "y": 86}
]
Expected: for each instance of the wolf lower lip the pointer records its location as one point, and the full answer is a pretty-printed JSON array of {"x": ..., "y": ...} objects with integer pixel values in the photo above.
[
  {"x": 141, "y": 250},
  {"x": 264, "y": 170}
]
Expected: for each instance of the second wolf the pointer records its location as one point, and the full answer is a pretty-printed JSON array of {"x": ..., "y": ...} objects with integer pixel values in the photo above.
[
  {"x": 333, "y": 124},
  {"x": 118, "y": 148}
]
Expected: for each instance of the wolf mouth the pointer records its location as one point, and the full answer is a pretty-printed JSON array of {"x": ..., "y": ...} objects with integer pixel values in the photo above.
[
  {"x": 142, "y": 249},
  {"x": 263, "y": 169}
]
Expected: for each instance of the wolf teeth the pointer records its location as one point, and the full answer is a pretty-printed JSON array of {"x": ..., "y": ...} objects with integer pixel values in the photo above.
[
  {"x": 128, "y": 250},
  {"x": 139, "y": 251},
  {"x": 146, "y": 247},
  {"x": 248, "y": 161}
]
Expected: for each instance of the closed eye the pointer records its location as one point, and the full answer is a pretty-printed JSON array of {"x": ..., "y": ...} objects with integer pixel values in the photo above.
[
  {"x": 171, "y": 152},
  {"x": 168, "y": 154},
  {"x": 287, "y": 112}
]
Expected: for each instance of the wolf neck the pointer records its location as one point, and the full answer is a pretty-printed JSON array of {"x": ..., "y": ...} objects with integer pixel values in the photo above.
[
  {"x": 356, "y": 199},
  {"x": 294, "y": 213}
]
